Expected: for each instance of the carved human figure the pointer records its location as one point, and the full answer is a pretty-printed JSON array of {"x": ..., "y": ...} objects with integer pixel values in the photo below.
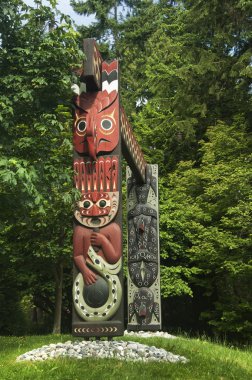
[{"x": 95, "y": 210}]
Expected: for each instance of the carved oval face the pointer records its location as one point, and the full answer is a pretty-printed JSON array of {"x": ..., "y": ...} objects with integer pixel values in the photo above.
[
  {"x": 143, "y": 273},
  {"x": 96, "y": 130},
  {"x": 143, "y": 303},
  {"x": 97, "y": 209}
]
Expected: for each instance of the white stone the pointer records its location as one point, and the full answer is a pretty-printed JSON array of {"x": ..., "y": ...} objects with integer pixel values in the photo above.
[
  {"x": 132, "y": 346},
  {"x": 106, "y": 349}
]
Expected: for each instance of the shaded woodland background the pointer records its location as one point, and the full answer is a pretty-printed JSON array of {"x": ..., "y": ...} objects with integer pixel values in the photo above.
[{"x": 186, "y": 87}]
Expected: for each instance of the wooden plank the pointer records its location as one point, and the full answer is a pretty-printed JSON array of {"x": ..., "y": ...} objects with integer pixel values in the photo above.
[
  {"x": 92, "y": 66},
  {"x": 131, "y": 150}
]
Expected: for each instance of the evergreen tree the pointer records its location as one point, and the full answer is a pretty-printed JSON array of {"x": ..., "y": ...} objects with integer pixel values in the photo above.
[
  {"x": 206, "y": 229},
  {"x": 110, "y": 17},
  {"x": 196, "y": 125},
  {"x": 196, "y": 75},
  {"x": 106, "y": 27}
]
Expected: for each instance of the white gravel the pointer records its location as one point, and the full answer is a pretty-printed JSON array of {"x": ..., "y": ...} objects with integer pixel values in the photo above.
[
  {"x": 150, "y": 334},
  {"x": 118, "y": 349}
]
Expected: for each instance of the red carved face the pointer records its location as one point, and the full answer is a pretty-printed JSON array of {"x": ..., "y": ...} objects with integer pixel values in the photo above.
[
  {"x": 96, "y": 127},
  {"x": 97, "y": 209},
  {"x": 95, "y": 204}
]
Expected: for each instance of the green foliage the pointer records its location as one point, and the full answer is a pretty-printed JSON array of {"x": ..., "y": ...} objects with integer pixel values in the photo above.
[
  {"x": 106, "y": 24},
  {"x": 195, "y": 76},
  {"x": 36, "y": 197},
  {"x": 195, "y": 122},
  {"x": 12, "y": 320},
  {"x": 208, "y": 226},
  {"x": 111, "y": 22}
]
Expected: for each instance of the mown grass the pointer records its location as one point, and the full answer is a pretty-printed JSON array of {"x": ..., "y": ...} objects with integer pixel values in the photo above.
[{"x": 207, "y": 361}]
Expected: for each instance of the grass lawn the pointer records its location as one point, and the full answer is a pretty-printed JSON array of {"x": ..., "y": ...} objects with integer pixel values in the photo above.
[{"x": 207, "y": 361}]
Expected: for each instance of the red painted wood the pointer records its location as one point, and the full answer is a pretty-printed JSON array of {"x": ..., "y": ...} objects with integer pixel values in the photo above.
[{"x": 95, "y": 129}]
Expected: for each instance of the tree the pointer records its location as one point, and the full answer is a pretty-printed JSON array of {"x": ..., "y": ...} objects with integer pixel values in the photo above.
[
  {"x": 37, "y": 56},
  {"x": 109, "y": 24},
  {"x": 196, "y": 74},
  {"x": 208, "y": 223},
  {"x": 196, "y": 124}
]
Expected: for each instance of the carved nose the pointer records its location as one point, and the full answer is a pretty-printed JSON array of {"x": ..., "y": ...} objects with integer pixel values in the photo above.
[
  {"x": 91, "y": 138},
  {"x": 142, "y": 310},
  {"x": 95, "y": 210}
]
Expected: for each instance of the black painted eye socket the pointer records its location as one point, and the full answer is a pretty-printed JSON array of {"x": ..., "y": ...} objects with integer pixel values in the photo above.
[
  {"x": 102, "y": 203},
  {"x": 86, "y": 204},
  {"x": 81, "y": 126},
  {"x": 106, "y": 124}
]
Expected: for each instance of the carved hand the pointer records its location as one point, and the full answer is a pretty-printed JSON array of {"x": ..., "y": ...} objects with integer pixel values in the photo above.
[
  {"x": 89, "y": 276},
  {"x": 97, "y": 239}
]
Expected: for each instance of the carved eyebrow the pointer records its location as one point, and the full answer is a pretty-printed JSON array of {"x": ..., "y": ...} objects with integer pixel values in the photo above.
[{"x": 111, "y": 115}]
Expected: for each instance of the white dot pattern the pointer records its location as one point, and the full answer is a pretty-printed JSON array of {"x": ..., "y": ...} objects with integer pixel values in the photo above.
[{"x": 132, "y": 145}]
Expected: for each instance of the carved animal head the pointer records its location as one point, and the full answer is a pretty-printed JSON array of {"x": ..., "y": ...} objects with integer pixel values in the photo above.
[
  {"x": 143, "y": 306},
  {"x": 97, "y": 209},
  {"x": 96, "y": 126}
]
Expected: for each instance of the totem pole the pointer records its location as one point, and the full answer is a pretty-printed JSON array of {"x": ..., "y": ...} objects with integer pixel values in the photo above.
[
  {"x": 97, "y": 240},
  {"x": 101, "y": 133},
  {"x": 143, "y": 252}
]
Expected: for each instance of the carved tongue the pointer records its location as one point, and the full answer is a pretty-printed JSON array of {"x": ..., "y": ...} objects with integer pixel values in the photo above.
[
  {"x": 142, "y": 310},
  {"x": 141, "y": 227}
]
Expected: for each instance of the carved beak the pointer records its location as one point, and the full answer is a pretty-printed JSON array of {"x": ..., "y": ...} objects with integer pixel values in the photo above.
[
  {"x": 91, "y": 147},
  {"x": 91, "y": 138}
]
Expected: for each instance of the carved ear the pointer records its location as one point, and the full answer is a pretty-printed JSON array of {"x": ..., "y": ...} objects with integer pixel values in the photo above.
[
  {"x": 85, "y": 101},
  {"x": 96, "y": 100},
  {"x": 104, "y": 100}
]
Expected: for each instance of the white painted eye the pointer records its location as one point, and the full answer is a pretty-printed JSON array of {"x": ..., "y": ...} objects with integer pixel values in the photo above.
[
  {"x": 106, "y": 124},
  {"x": 81, "y": 126},
  {"x": 102, "y": 203},
  {"x": 87, "y": 204}
]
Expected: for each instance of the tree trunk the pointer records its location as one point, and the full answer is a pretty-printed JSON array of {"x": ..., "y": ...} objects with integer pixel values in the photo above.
[{"x": 58, "y": 298}]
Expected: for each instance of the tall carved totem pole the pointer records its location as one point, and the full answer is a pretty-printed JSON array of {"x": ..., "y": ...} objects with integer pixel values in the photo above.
[
  {"x": 101, "y": 133},
  {"x": 143, "y": 252}
]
